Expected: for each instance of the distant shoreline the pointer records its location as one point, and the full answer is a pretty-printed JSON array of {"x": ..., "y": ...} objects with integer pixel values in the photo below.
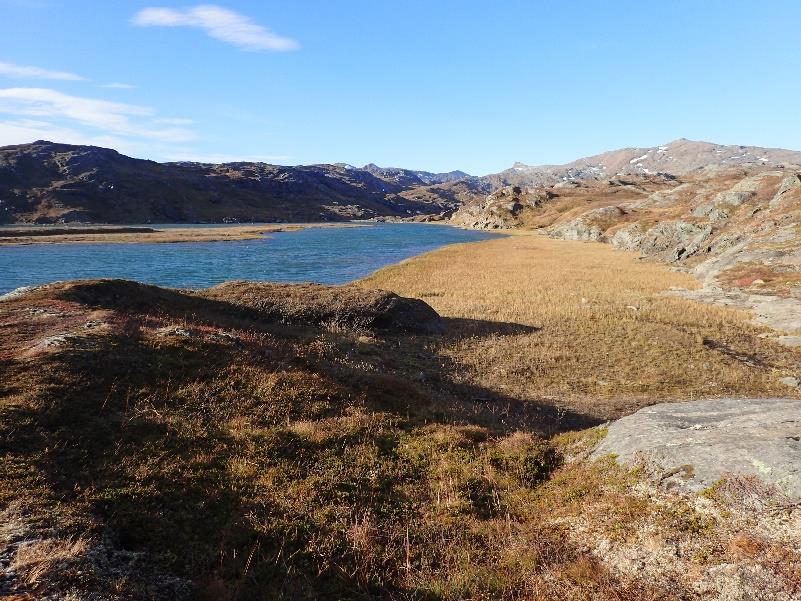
[{"x": 113, "y": 234}]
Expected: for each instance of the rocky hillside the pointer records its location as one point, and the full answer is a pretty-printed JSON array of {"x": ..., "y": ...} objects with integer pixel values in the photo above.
[
  {"x": 736, "y": 228},
  {"x": 44, "y": 182},
  {"x": 677, "y": 157}
]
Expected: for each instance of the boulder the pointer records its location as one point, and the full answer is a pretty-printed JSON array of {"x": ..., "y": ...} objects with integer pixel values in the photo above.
[
  {"x": 692, "y": 445},
  {"x": 629, "y": 237},
  {"x": 590, "y": 226},
  {"x": 789, "y": 183},
  {"x": 674, "y": 240}
]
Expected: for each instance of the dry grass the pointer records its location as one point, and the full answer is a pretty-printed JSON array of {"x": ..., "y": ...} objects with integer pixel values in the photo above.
[
  {"x": 264, "y": 460},
  {"x": 607, "y": 341},
  {"x": 62, "y": 235},
  {"x": 38, "y": 559},
  {"x": 198, "y": 439}
]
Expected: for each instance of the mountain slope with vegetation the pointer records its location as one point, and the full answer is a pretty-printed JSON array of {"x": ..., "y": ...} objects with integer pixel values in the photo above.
[
  {"x": 676, "y": 158},
  {"x": 44, "y": 182},
  {"x": 737, "y": 227}
]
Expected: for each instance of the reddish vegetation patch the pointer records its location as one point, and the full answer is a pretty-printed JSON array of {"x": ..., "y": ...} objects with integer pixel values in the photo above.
[{"x": 762, "y": 278}]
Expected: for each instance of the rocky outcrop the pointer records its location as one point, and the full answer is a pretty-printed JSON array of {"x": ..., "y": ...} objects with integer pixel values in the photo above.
[
  {"x": 668, "y": 241},
  {"x": 692, "y": 445},
  {"x": 789, "y": 184},
  {"x": 674, "y": 240},
  {"x": 592, "y": 225},
  {"x": 501, "y": 209},
  {"x": 629, "y": 237}
]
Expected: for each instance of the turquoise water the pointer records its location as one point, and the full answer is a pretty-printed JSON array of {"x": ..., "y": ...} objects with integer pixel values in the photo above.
[{"x": 325, "y": 255}]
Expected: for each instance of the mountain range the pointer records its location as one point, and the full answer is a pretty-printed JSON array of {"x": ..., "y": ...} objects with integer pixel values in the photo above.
[
  {"x": 676, "y": 158},
  {"x": 47, "y": 182}
]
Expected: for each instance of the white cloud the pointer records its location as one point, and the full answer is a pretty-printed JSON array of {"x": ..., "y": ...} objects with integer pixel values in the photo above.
[
  {"x": 219, "y": 23},
  {"x": 25, "y": 72},
  {"x": 118, "y": 86},
  {"x": 110, "y": 118}
]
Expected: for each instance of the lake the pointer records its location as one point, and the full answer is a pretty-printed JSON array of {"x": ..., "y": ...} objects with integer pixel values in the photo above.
[{"x": 325, "y": 255}]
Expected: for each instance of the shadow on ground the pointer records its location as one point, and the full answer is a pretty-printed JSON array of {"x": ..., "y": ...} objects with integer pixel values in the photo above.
[{"x": 242, "y": 462}]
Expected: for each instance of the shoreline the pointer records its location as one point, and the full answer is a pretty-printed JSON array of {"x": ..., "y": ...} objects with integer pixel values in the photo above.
[{"x": 163, "y": 235}]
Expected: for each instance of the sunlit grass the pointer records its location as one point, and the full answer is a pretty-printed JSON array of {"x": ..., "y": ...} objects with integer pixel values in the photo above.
[{"x": 608, "y": 339}]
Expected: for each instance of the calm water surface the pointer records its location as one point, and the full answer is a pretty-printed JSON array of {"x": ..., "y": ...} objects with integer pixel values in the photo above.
[{"x": 326, "y": 255}]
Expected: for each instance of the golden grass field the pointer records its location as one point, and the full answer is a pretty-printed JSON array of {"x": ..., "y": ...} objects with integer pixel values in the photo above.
[{"x": 607, "y": 339}]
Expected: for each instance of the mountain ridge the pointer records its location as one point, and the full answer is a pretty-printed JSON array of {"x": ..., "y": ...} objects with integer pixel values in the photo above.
[
  {"x": 48, "y": 182},
  {"x": 677, "y": 157}
]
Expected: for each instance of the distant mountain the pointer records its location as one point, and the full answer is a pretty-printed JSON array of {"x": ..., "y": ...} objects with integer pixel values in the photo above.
[
  {"x": 414, "y": 178},
  {"x": 676, "y": 158},
  {"x": 46, "y": 182}
]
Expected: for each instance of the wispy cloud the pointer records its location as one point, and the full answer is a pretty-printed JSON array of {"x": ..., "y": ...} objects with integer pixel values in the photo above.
[
  {"x": 28, "y": 72},
  {"x": 109, "y": 118},
  {"x": 118, "y": 86},
  {"x": 218, "y": 22}
]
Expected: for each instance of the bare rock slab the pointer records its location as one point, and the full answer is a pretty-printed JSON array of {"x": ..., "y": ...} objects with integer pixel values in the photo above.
[{"x": 701, "y": 441}]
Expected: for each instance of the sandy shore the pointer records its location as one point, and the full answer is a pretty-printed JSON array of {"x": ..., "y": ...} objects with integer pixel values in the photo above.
[{"x": 119, "y": 234}]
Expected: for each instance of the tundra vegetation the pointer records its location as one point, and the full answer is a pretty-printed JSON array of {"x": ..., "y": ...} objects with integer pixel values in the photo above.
[{"x": 288, "y": 442}]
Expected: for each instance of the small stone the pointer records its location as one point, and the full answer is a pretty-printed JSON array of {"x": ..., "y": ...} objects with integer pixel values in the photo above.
[{"x": 790, "y": 381}]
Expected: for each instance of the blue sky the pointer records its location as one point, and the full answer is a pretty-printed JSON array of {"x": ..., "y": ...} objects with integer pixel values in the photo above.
[{"x": 435, "y": 85}]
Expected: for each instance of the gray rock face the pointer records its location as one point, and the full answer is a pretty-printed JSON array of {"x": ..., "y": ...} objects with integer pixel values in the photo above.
[
  {"x": 578, "y": 230},
  {"x": 736, "y": 198},
  {"x": 789, "y": 183},
  {"x": 710, "y": 211},
  {"x": 698, "y": 442},
  {"x": 673, "y": 240},
  {"x": 589, "y": 226},
  {"x": 629, "y": 237}
]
